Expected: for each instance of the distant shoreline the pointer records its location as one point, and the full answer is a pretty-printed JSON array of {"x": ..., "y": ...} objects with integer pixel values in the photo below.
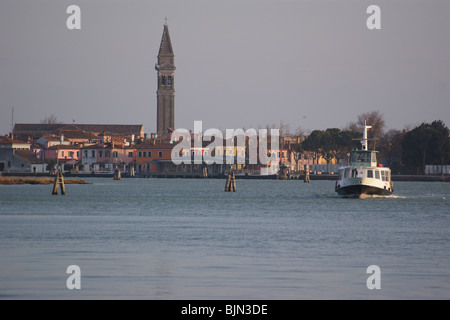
[
  {"x": 45, "y": 178},
  {"x": 36, "y": 180}
]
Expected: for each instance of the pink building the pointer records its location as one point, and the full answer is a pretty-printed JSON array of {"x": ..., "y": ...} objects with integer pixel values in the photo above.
[{"x": 64, "y": 154}]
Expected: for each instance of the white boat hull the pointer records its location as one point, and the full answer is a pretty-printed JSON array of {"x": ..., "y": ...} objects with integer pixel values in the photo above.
[
  {"x": 360, "y": 189},
  {"x": 361, "y": 184}
]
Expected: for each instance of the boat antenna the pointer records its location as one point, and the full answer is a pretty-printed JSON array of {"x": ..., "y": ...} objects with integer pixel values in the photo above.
[{"x": 364, "y": 142}]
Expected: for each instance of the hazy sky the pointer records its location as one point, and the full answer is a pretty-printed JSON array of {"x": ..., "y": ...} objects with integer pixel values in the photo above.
[{"x": 245, "y": 63}]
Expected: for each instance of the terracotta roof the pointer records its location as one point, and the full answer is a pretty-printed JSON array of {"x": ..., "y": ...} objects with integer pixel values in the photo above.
[
  {"x": 8, "y": 140},
  {"x": 50, "y": 137},
  {"x": 64, "y": 146},
  {"x": 155, "y": 146},
  {"x": 36, "y": 130},
  {"x": 108, "y": 146},
  {"x": 74, "y": 132}
]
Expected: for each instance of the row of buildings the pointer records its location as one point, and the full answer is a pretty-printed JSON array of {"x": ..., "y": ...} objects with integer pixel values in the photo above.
[{"x": 37, "y": 148}]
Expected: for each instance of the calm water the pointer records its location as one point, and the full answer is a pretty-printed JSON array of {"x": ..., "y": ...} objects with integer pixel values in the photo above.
[{"x": 188, "y": 239}]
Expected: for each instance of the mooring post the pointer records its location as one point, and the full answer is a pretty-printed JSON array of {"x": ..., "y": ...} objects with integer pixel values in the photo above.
[
  {"x": 59, "y": 180},
  {"x": 55, "y": 185},
  {"x": 231, "y": 182},
  {"x": 227, "y": 184},
  {"x": 117, "y": 174},
  {"x": 306, "y": 167},
  {"x": 131, "y": 171}
]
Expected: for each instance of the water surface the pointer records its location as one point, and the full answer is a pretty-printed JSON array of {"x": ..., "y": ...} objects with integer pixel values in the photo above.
[{"x": 188, "y": 239}]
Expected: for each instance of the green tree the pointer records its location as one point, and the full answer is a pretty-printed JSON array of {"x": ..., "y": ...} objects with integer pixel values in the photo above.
[
  {"x": 390, "y": 149},
  {"x": 427, "y": 144},
  {"x": 331, "y": 143}
]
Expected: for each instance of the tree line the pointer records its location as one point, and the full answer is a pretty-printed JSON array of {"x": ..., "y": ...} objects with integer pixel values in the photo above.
[{"x": 405, "y": 151}]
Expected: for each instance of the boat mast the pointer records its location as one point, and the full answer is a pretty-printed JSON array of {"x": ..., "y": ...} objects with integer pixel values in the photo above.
[{"x": 364, "y": 139}]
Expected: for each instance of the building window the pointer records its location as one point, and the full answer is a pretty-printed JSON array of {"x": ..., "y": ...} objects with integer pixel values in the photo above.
[
  {"x": 130, "y": 154},
  {"x": 100, "y": 154},
  {"x": 163, "y": 80},
  {"x": 115, "y": 154},
  {"x": 93, "y": 153},
  {"x": 145, "y": 154},
  {"x": 62, "y": 153},
  {"x": 160, "y": 154},
  {"x": 107, "y": 154},
  {"x": 149, "y": 154},
  {"x": 169, "y": 80},
  {"x": 140, "y": 154}
]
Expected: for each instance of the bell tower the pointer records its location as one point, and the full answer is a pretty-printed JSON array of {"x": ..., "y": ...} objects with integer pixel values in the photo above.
[{"x": 166, "y": 92}]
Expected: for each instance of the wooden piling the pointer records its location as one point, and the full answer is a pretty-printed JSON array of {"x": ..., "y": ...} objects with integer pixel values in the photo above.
[
  {"x": 117, "y": 174},
  {"x": 131, "y": 171},
  {"x": 306, "y": 167},
  {"x": 231, "y": 182},
  {"x": 53, "y": 170},
  {"x": 59, "y": 181}
]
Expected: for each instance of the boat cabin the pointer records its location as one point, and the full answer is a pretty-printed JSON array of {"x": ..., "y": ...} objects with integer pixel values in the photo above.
[{"x": 364, "y": 158}]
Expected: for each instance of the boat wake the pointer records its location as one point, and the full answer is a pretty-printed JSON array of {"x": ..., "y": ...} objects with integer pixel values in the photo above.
[{"x": 376, "y": 196}]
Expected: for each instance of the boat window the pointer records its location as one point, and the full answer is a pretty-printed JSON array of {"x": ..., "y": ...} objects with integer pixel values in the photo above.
[
  {"x": 369, "y": 173},
  {"x": 341, "y": 174},
  {"x": 389, "y": 176},
  {"x": 354, "y": 173},
  {"x": 361, "y": 156},
  {"x": 383, "y": 175},
  {"x": 347, "y": 173},
  {"x": 377, "y": 174}
]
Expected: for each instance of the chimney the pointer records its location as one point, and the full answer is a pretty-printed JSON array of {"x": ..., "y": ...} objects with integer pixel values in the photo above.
[{"x": 61, "y": 139}]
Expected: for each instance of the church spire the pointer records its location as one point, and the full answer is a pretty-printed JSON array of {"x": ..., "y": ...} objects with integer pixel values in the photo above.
[
  {"x": 166, "y": 45},
  {"x": 166, "y": 92}
]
